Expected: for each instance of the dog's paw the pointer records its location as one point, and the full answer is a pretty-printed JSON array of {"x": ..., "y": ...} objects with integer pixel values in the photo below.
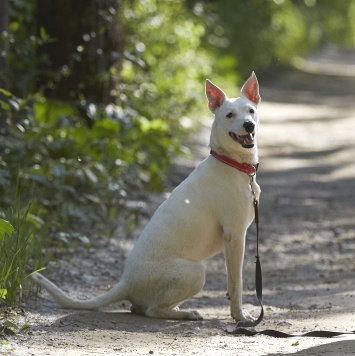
[
  {"x": 243, "y": 315},
  {"x": 195, "y": 315}
]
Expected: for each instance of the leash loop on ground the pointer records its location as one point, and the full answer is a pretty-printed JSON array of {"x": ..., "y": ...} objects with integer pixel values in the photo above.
[{"x": 274, "y": 333}]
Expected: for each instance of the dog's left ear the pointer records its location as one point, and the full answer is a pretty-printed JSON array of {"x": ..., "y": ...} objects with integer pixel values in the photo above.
[
  {"x": 214, "y": 95},
  {"x": 250, "y": 89}
]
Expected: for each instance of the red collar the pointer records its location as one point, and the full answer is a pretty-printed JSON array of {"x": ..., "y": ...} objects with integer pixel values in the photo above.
[{"x": 244, "y": 167}]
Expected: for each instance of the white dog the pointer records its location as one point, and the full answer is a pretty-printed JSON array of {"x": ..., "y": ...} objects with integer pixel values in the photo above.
[{"x": 207, "y": 213}]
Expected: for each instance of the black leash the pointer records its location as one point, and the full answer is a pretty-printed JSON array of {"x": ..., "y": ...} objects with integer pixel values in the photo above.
[
  {"x": 240, "y": 328},
  {"x": 258, "y": 274},
  {"x": 274, "y": 333}
]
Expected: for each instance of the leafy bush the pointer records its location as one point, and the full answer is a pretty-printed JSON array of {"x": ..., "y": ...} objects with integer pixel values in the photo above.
[{"x": 81, "y": 175}]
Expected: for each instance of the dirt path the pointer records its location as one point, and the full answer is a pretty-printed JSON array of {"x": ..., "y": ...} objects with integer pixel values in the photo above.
[{"x": 307, "y": 176}]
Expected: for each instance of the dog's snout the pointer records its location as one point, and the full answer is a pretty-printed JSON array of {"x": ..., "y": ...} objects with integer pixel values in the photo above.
[{"x": 249, "y": 126}]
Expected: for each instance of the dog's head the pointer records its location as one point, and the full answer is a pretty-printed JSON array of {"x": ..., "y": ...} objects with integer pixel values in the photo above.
[{"x": 236, "y": 119}]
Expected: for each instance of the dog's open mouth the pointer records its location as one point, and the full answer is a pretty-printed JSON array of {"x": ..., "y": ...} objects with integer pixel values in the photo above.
[{"x": 247, "y": 141}]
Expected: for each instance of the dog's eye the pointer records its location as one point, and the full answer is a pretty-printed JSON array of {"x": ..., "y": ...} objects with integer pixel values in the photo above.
[
  {"x": 229, "y": 115},
  {"x": 251, "y": 111}
]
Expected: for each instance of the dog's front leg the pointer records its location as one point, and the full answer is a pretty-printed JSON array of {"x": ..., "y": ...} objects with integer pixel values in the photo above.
[{"x": 234, "y": 254}]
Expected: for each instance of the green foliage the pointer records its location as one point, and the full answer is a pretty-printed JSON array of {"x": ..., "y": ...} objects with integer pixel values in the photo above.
[
  {"x": 11, "y": 322},
  {"x": 5, "y": 228},
  {"x": 256, "y": 32},
  {"x": 10, "y": 327},
  {"x": 330, "y": 21},
  {"x": 260, "y": 34},
  {"x": 20, "y": 251},
  {"x": 165, "y": 64},
  {"x": 82, "y": 175},
  {"x": 23, "y": 42}
]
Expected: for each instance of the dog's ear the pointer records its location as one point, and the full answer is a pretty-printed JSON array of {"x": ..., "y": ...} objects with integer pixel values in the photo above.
[
  {"x": 214, "y": 95},
  {"x": 250, "y": 89}
]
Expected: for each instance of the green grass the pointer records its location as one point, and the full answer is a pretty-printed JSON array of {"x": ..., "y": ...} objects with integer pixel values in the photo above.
[{"x": 20, "y": 254}]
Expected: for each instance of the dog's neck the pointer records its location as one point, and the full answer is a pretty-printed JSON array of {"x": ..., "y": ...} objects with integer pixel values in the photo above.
[{"x": 242, "y": 155}]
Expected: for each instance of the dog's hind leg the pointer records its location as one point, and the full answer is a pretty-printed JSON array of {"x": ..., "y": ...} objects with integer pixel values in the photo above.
[
  {"x": 136, "y": 309},
  {"x": 180, "y": 281}
]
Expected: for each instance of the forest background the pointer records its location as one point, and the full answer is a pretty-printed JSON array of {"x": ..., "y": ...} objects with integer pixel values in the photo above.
[{"x": 98, "y": 96}]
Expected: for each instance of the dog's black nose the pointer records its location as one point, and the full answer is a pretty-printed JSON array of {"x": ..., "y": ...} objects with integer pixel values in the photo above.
[{"x": 249, "y": 126}]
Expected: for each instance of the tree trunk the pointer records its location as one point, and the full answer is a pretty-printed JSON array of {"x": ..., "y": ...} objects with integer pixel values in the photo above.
[
  {"x": 83, "y": 61},
  {"x": 4, "y": 25}
]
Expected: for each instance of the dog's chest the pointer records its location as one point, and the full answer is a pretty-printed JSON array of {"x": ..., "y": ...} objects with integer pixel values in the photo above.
[{"x": 238, "y": 197}]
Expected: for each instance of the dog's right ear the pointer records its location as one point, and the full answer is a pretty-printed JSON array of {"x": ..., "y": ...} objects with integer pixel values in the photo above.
[{"x": 214, "y": 95}]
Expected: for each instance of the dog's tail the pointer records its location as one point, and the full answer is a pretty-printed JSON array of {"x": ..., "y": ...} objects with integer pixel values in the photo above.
[{"x": 117, "y": 293}]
